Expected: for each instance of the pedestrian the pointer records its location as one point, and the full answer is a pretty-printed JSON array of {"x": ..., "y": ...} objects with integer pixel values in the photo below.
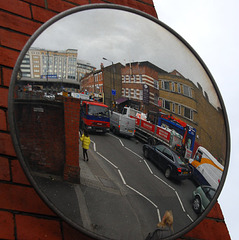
[
  {"x": 85, "y": 139},
  {"x": 165, "y": 227}
]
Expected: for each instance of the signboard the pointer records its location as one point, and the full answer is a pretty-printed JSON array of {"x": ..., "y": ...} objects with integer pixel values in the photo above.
[
  {"x": 113, "y": 92},
  {"x": 163, "y": 134}
]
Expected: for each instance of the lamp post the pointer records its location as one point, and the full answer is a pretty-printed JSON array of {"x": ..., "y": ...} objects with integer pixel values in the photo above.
[{"x": 113, "y": 92}]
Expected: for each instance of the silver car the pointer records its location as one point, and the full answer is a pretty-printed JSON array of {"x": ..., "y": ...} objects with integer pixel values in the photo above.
[{"x": 202, "y": 196}]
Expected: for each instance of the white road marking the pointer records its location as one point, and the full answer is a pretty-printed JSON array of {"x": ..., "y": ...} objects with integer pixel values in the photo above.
[
  {"x": 164, "y": 182},
  {"x": 179, "y": 199},
  {"x": 107, "y": 160},
  {"x": 148, "y": 166},
  {"x": 122, "y": 177}
]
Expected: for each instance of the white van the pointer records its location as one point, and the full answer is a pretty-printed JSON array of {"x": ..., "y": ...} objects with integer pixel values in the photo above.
[
  {"x": 122, "y": 124},
  {"x": 206, "y": 169}
]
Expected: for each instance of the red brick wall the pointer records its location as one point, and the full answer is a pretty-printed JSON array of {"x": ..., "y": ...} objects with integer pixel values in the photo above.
[
  {"x": 23, "y": 215},
  {"x": 41, "y": 135}
]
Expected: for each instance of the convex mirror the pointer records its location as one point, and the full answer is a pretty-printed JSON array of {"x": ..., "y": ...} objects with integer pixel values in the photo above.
[{"x": 85, "y": 66}]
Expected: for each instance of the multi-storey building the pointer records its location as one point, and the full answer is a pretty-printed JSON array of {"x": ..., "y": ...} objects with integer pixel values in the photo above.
[
  {"x": 83, "y": 68},
  {"x": 140, "y": 84},
  {"x": 48, "y": 64}
]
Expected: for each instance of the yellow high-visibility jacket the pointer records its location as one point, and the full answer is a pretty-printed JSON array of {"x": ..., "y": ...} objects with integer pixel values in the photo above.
[{"x": 85, "y": 141}]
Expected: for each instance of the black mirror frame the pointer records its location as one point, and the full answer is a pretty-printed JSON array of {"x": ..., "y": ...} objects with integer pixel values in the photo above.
[{"x": 13, "y": 127}]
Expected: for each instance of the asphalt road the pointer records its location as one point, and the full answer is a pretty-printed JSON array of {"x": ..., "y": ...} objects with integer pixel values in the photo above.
[{"x": 149, "y": 192}]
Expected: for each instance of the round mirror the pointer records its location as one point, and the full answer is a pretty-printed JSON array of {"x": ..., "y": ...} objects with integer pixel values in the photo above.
[{"x": 118, "y": 124}]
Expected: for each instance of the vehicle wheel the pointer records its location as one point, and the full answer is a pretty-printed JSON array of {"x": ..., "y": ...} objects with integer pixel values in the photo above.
[
  {"x": 146, "y": 153},
  {"x": 167, "y": 173},
  {"x": 197, "y": 204}
]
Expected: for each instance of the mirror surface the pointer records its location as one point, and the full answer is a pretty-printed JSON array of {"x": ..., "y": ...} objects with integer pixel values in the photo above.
[{"x": 154, "y": 116}]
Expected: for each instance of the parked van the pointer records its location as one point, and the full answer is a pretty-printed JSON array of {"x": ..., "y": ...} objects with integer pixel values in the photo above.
[
  {"x": 206, "y": 169},
  {"x": 122, "y": 124}
]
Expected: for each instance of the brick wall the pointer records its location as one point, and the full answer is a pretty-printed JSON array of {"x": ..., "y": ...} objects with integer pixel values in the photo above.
[{"x": 23, "y": 215}]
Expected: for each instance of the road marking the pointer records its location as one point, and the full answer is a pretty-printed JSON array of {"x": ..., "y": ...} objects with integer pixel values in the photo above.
[
  {"x": 148, "y": 167},
  {"x": 94, "y": 145},
  {"x": 134, "y": 152},
  {"x": 158, "y": 212},
  {"x": 190, "y": 217},
  {"x": 107, "y": 160},
  {"x": 164, "y": 182},
  {"x": 142, "y": 196},
  {"x": 117, "y": 138},
  {"x": 122, "y": 177},
  {"x": 179, "y": 199}
]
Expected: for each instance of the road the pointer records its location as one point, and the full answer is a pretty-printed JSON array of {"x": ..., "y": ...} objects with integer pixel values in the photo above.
[{"x": 149, "y": 192}]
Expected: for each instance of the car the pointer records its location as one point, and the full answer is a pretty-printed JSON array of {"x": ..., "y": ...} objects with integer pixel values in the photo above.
[
  {"x": 202, "y": 196},
  {"x": 167, "y": 160}
]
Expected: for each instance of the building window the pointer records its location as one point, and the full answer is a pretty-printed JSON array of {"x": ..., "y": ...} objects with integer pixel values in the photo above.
[
  {"x": 134, "y": 78},
  {"x": 188, "y": 113},
  {"x": 165, "y": 85},
  {"x": 135, "y": 93},
  {"x": 166, "y": 104},
  {"x": 129, "y": 92},
  {"x": 173, "y": 107},
  {"x": 124, "y": 78},
  {"x": 179, "y": 109},
  {"x": 187, "y": 91},
  {"x": 173, "y": 86},
  {"x": 140, "y": 78},
  {"x": 179, "y": 88},
  {"x": 156, "y": 84}
]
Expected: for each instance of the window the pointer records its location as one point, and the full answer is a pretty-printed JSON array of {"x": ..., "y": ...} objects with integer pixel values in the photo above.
[
  {"x": 179, "y": 88},
  {"x": 166, "y": 104},
  {"x": 135, "y": 93},
  {"x": 129, "y": 92},
  {"x": 187, "y": 91},
  {"x": 156, "y": 84},
  {"x": 124, "y": 90},
  {"x": 124, "y": 78},
  {"x": 134, "y": 78},
  {"x": 179, "y": 109},
  {"x": 173, "y": 87},
  {"x": 173, "y": 107},
  {"x": 165, "y": 85},
  {"x": 188, "y": 113},
  {"x": 140, "y": 78}
]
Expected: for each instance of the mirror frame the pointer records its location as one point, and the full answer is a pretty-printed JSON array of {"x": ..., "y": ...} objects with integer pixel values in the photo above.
[{"x": 13, "y": 126}]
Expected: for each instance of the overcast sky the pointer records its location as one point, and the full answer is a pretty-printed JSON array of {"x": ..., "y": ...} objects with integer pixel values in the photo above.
[
  {"x": 115, "y": 35},
  {"x": 211, "y": 28}
]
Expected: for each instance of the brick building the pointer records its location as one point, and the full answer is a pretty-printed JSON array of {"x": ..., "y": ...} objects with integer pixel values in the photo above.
[{"x": 23, "y": 214}]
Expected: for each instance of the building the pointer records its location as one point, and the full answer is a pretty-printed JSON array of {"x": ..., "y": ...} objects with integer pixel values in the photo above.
[
  {"x": 83, "y": 68},
  {"x": 140, "y": 85}
]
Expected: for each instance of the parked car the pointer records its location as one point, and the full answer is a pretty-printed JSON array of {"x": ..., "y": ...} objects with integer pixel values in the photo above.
[
  {"x": 202, "y": 196},
  {"x": 167, "y": 160}
]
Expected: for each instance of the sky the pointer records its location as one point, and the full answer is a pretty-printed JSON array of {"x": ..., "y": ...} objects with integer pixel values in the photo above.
[
  {"x": 115, "y": 35},
  {"x": 211, "y": 28}
]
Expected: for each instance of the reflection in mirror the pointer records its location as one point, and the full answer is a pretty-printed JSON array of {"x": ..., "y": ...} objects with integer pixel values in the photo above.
[{"x": 119, "y": 125}]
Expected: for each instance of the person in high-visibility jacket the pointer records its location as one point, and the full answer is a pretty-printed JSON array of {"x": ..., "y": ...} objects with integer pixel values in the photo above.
[{"x": 85, "y": 139}]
